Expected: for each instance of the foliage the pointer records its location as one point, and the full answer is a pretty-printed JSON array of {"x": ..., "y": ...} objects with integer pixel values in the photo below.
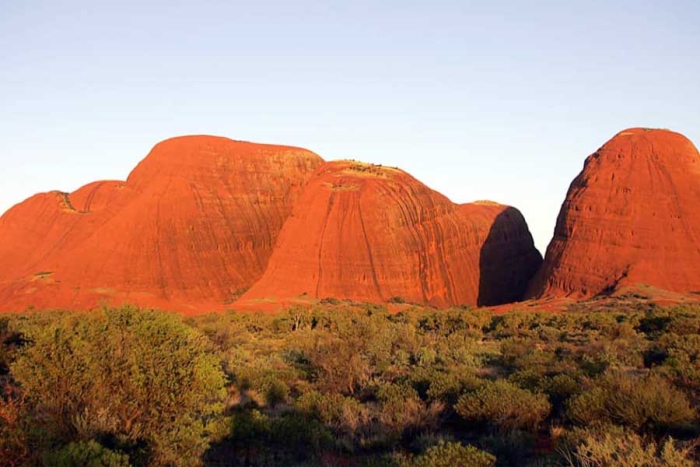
[
  {"x": 14, "y": 435},
  {"x": 627, "y": 449},
  {"x": 136, "y": 375},
  {"x": 86, "y": 454},
  {"x": 504, "y": 405},
  {"x": 646, "y": 404},
  {"x": 348, "y": 383},
  {"x": 452, "y": 455}
]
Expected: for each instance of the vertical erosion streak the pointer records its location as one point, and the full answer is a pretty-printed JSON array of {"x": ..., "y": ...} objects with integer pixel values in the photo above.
[
  {"x": 159, "y": 254},
  {"x": 418, "y": 243},
  {"x": 90, "y": 197},
  {"x": 320, "y": 244},
  {"x": 441, "y": 256},
  {"x": 57, "y": 245},
  {"x": 369, "y": 250},
  {"x": 687, "y": 229}
]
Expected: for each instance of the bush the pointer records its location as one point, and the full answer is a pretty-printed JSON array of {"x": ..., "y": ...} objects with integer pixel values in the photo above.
[
  {"x": 137, "y": 375},
  {"x": 627, "y": 450},
  {"x": 402, "y": 412},
  {"x": 87, "y": 454},
  {"x": 452, "y": 455},
  {"x": 504, "y": 405},
  {"x": 344, "y": 415},
  {"x": 447, "y": 387},
  {"x": 293, "y": 436},
  {"x": 648, "y": 404},
  {"x": 14, "y": 449}
]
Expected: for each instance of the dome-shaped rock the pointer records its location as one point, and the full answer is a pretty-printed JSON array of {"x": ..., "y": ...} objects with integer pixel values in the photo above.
[
  {"x": 373, "y": 233},
  {"x": 193, "y": 225},
  {"x": 630, "y": 217}
]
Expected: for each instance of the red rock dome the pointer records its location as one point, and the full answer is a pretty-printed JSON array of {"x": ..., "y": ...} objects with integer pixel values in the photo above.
[
  {"x": 373, "y": 233},
  {"x": 193, "y": 225},
  {"x": 630, "y": 217}
]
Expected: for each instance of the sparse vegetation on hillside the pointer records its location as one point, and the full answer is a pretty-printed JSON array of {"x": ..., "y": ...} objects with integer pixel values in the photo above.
[{"x": 351, "y": 384}]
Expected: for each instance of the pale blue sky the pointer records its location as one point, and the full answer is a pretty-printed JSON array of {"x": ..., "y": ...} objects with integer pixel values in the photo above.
[{"x": 480, "y": 100}]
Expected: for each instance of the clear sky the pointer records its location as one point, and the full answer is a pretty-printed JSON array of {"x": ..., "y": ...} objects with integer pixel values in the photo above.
[{"x": 480, "y": 100}]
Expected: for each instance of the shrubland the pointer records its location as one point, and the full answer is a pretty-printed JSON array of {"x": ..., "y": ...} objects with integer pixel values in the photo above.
[{"x": 345, "y": 383}]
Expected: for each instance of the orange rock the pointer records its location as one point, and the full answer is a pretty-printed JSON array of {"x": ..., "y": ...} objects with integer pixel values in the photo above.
[
  {"x": 193, "y": 225},
  {"x": 373, "y": 233},
  {"x": 630, "y": 217}
]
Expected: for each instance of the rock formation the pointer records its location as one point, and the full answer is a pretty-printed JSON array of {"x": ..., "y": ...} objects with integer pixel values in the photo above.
[
  {"x": 193, "y": 226},
  {"x": 373, "y": 233},
  {"x": 630, "y": 217}
]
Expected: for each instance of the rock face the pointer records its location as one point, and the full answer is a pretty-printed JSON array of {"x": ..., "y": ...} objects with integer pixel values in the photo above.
[
  {"x": 630, "y": 217},
  {"x": 193, "y": 226},
  {"x": 374, "y": 233}
]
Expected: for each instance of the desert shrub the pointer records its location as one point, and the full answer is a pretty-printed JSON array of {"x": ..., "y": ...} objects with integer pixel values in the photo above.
[
  {"x": 298, "y": 436},
  {"x": 626, "y": 449},
  {"x": 448, "y": 386},
  {"x": 451, "y": 454},
  {"x": 560, "y": 388},
  {"x": 342, "y": 414},
  {"x": 325, "y": 357},
  {"x": 10, "y": 341},
  {"x": 445, "y": 323},
  {"x": 293, "y": 436},
  {"x": 402, "y": 412},
  {"x": 86, "y": 454},
  {"x": 644, "y": 404},
  {"x": 137, "y": 375},
  {"x": 654, "y": 324},
  {"x": 14, "y": 429},
  {"x": 682, "y": 361},
  {"x": 504, "y": 405},
  {"x": 266, "y": 382},
  {"x": 275, "y": 392},
  {"x": 249, "y": 428},
  {"x": 512, "y": 447}
]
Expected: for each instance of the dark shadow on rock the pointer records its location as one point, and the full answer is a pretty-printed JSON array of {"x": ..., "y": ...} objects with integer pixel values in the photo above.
[{"x": 508, "y": 260}]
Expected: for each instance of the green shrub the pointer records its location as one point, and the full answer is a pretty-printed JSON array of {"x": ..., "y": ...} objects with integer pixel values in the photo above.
[
  {"x": 14, "y": 429},
  {"x": 644, "y": 404},
  {"x": 293, "y": 436},
  {"x": 275, "y": 392},
  {"x": 86, "y": 454},
  {"x": 137, "y": 375},
  {"x": 447, "y": 387},
  {"x": 560, "y": 388},
  {"x": 343, "y": 414},
  {"x": 504, "y": 405},
  {"x": 452, "y": 454},
  {"x": 627, "y": 450},
  {"x": 402, "y": 412}
]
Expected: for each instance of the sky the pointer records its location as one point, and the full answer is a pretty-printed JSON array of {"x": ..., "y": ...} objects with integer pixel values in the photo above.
[{"x": 499, "y": 100}]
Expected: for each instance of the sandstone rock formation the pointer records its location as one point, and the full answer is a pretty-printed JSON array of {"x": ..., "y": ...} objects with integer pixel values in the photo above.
[
  {"x": 193, "y": 226},
  {"x": 374, "y": 233},
  {"x": 631, "y": 216}
]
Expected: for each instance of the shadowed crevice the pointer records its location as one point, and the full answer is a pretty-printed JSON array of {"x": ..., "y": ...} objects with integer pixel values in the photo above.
[{"x": 507, "y": 261}]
